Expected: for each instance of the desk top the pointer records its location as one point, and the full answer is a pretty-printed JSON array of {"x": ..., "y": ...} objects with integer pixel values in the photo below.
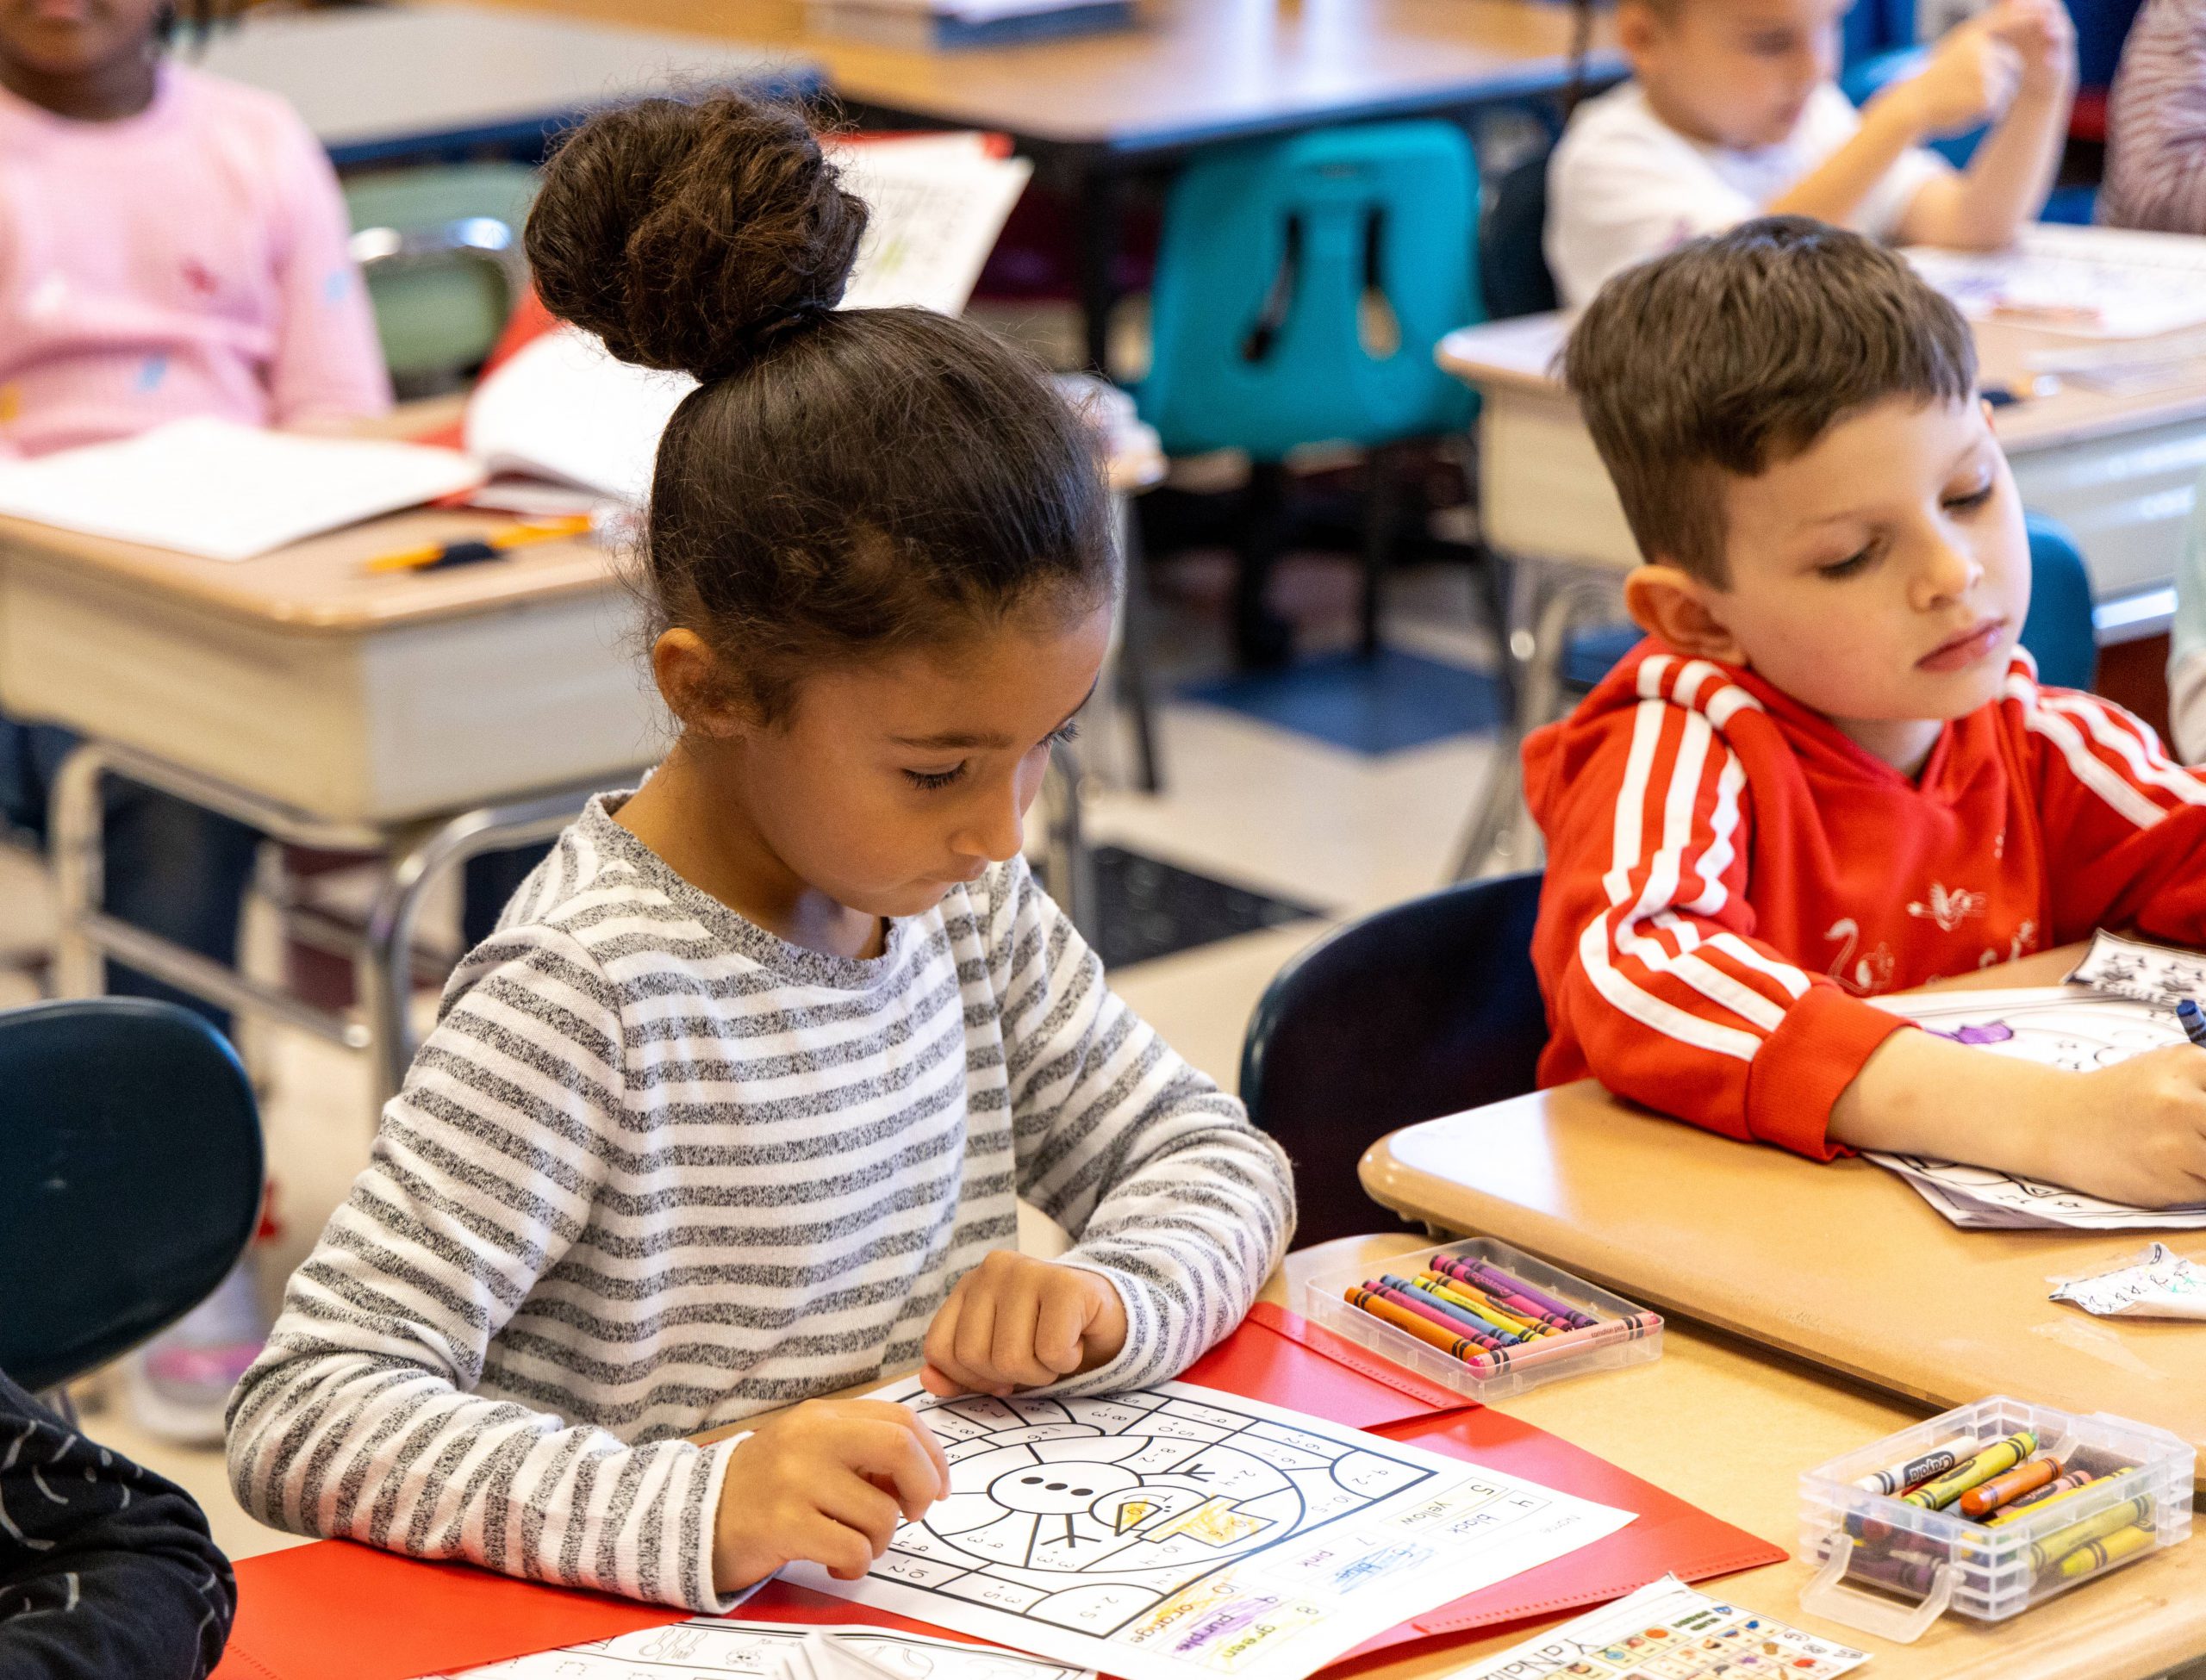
[
  {"x": 416, "y": 76},
  {"x": 1516, "y": 354},
  {"x": 1774, "y": 1420},
  {"x": 1194, "y": 71},
  {"x": 1841, "y": 1265}
]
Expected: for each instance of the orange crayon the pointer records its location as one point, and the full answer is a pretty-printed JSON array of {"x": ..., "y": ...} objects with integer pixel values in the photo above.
[
  {"x": 2023, "y": 1479},
  {"x": 1423, "y": 1328}
]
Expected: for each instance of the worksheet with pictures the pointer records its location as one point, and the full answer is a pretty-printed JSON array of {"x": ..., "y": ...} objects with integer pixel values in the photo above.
[
  {"x": 772, "y": 1650},
  {"x": 1174, "y": 1532},
  {"x": 1667, "y": 1631}
]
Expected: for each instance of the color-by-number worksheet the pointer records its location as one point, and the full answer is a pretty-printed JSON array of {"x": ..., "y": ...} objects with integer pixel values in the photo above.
[
  {"x": 1667, "y": 1631},
  {"x": 773, "y": 1650},
  {"x": 1175, "y": 1532}
]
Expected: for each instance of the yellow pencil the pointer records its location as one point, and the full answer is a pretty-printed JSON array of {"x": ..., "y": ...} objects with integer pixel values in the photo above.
[{"x": 481, "y": 548}]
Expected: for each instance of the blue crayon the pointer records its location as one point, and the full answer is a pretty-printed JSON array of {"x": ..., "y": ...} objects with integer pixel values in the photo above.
[
  {"x": 2193, "y": 1020},
  {"x": 1484, "y": 1326}
]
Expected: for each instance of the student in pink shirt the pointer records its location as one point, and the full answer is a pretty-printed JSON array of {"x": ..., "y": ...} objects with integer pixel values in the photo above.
[{"x": 170, "y": 244}]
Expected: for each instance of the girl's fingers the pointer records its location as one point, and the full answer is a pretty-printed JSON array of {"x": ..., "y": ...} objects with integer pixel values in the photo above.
[
  {"x": 1011, "y": 1350},
  {"x": 975, "y": 1338},
  {"x": 1062, "y": 1322}
]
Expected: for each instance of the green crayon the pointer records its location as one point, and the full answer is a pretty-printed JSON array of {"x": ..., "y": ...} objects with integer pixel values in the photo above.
[
  {"x": 2095, "y": 1555},
  {"x": 2061, "y": 1541},
  {"x": 2001, "y": 1455}
]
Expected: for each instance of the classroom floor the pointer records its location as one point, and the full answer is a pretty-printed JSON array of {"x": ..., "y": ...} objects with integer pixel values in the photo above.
[{"x": 1260, "y": 823}]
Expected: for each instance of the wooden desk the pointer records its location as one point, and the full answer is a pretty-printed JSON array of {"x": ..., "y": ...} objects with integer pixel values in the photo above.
[
  {"x": 1841, "y": 1265},
  {"x": 381, "y": 84},
  {"x": 1195, "y": 73},
  {"x": 1732, "y": 1429}
]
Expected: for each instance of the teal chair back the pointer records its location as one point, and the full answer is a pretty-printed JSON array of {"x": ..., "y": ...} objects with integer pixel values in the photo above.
[
  {"x": 1301, "y": 285},
  {"x": 2058, "y": 631},
  {"x": 130, "y": 1178},
  {"x": 439, "y": 249}
]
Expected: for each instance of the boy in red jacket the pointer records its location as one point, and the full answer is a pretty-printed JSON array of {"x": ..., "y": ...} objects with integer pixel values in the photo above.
[{"x": 1831, "y": 772}]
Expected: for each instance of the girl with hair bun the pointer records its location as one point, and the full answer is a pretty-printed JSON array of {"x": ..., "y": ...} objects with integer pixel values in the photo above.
[{"x": 735, "y": 1106}]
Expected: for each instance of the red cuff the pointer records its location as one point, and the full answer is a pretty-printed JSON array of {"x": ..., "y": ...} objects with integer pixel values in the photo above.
[{"x": 1804, "y": 1066}]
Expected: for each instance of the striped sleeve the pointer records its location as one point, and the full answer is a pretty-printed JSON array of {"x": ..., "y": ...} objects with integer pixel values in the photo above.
[
  {"x": 1168, "y": 1191},
  {"x": 2125, "y": 825},
  {"x": 359, "y": 1420},
  {"x": 1674, "y": 1002},
  {"x": 2156, "y": 123}
]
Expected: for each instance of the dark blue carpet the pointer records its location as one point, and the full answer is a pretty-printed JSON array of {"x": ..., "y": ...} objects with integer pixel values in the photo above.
[{"x": 1380, "y": 705}]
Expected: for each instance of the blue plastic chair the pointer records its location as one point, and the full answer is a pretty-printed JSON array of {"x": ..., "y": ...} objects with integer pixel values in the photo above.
[
  {"x": 2058, "y": 631},
  {"x": 1420, "y": 1010},
  {"x": 130, "y": 1178},
  {"x": 1301, "y": 285}
]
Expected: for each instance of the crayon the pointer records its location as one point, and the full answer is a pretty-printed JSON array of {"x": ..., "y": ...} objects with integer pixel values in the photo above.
[
  {"x": 2059, "y": 1488},
  {"x": 2094, "y": 1555},
  {"x": 1898, "y": 1478},
  {"x": 1461, "y": 1315},
  {"x": 2192, "y": 1021},
  {"x": 1548, "y": 1349},
  {"x": 1999, "y": 1457},
  {"x": 1494, "y": 1324},
  {"x": 1432, "y": 1313},
  {"x": 1464, "y": 1296},
  {"x": 1502, "y": 1286},
  {"x": 1423, "y": 1328},
  {"x": 1908, "y": 1572},
  {"x": 1525, "y": 1311},
  {"x": 1989, "y": 1497},
  {"x": 2058, "y": 1544}
]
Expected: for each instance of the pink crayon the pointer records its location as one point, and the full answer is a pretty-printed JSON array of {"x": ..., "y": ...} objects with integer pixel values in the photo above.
[
  {"x": 1425, "y": 1309},
  {"x": 1513, "y": 1293}
]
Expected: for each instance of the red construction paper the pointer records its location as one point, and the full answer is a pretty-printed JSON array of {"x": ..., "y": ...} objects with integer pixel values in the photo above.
[{"x": 339, "y": 1611}]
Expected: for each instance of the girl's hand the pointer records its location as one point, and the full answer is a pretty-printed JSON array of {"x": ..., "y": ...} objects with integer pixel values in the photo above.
[
  {"x": 823, "y": 1482},
  {"x": 1972, "y": 77},
  {"x": 2041, "y": 33},
  {"x": 2135, "y": 1132},
  {"x": 1015, "y": 1322}
]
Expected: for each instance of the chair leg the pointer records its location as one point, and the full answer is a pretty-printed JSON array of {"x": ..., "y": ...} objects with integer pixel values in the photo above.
[
  {"x": 1261, "y": 637},
  {"x": 1381, "y": 497}
]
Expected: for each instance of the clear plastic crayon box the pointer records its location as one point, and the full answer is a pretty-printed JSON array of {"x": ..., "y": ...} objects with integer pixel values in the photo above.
[
  {"x": 1325, "y": 1303},
  {"x": 1893, "y": 1569}
]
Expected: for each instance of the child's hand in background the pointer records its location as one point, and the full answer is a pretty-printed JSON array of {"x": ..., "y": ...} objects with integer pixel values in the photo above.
[
  {"x": 2043, "y": 37},
  {"x": 1970, "y": 80},
  {"x": 1014, "y": 1322},
  {"x": 823, "y": 1482}
]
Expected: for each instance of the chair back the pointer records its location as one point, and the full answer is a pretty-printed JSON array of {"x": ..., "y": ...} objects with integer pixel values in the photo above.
[
  {"x": 130, "y": 1178},
  {"x": 2058, "y": 631},
  {"x": 1421, "y": 1010},
  {"x": 1301, "y": 285},
  {"x": 439, "y": 248},
  {"x": 1513, "y": 269}
]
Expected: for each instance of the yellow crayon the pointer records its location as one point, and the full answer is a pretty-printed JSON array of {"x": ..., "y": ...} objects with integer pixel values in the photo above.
[
  {"x": 2095, "y": 1555},
  {"x": 2016, "y": 1513},
  {"x": 2058, "y": 1544},
  {"x": 1448, "y": 1290},
  {"x": 1491, "y": 1304},
  {"x": 2001, "y": 1455}
]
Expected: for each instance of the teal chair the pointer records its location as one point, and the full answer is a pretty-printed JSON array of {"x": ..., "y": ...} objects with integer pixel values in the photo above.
[
  {"x": 439, "y": 249},
  {"x": 130, "y": 1178},
  {"x": 1301, "y": 286}
]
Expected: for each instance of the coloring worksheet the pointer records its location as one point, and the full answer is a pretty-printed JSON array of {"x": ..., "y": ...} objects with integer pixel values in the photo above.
[
  {"x": 2144, "y": 973},
  {"x": 771, "y": 1651},
  {"x": 1172, "y": 1533},
  {"x": 1667, "y": 1631},
  {"x": 2062, "y": 1027}
]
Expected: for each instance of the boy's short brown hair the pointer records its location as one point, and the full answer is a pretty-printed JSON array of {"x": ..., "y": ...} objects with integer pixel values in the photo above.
[{"x": 1733, "y": 352}]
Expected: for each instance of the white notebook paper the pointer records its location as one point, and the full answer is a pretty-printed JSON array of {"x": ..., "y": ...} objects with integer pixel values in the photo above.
[{"x": 227, "y": 491}]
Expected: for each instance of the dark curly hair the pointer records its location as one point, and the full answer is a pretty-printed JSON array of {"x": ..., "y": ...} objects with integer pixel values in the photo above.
[{"x": 842, "y": 481}]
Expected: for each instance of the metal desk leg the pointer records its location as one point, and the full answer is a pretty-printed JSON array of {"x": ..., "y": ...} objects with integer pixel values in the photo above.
[
  {"x": 1098, "y": 257},
  {"x": 383, "y": 967},
  {"x": 1070, "y": 865},
  {"x": 76, "y": 821}
]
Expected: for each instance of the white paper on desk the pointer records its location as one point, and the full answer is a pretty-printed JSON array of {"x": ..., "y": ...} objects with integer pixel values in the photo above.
[
  {"x": 2070, "y": 1027},
  {"x": 1175, "y": 1533},
  {"x": 767, "y": 1651},
  {"x": 227, "y": 491},
  {"x": 2144, "y": 973},
  {"x": 935, "y": 205},
  {"x": 2094, "y": 283},
  {"x": 1666, "y": 1629}
]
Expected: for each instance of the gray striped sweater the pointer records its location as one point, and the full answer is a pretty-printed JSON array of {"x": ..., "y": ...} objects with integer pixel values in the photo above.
[{"x": 656, "y": 1170}]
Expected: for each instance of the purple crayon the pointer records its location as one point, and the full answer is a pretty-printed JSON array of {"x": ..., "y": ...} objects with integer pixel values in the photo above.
[
  {"x": 1425, "y": 1308},
  {"x": 1506, "y": 1337},
  {"x": 1502, "y": 1285}
]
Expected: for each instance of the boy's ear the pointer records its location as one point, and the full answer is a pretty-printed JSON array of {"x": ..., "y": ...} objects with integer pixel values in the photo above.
[
  {"x": 1672, "y": 605},
  {"x": 1639, "y": 28},
  {"x": 695, "y": 686}
]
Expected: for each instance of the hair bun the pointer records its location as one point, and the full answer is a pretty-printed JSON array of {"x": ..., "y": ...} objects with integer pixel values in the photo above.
[{"x": 691, "y": 233}]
